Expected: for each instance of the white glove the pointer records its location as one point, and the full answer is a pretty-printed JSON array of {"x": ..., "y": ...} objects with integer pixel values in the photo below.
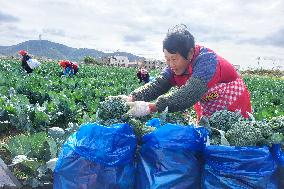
[{"x": 138, "y": 108}]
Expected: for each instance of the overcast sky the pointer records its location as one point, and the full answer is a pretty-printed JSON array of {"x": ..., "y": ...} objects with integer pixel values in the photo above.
[{"x": 238, "y": 30}]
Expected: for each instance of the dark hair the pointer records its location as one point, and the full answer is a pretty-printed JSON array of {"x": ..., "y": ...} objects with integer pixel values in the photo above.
[{"x": 179, "y": 40}]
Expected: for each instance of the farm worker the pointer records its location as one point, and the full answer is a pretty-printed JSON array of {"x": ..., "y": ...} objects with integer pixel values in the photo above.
[
  {"x": 143, "y": 75},
  {"x": 69, "y": 68},
  {"x": 204, "y": 79},
  {"x": 25, "y": 58}
]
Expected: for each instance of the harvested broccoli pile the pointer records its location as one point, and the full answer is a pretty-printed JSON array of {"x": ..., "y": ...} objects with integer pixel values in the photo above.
[
  {"x": 243, "y": 132},
  {"x": 224, "y": 119}
]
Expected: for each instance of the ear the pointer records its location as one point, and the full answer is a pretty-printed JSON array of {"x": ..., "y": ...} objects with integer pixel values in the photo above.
[{"x": 190, "y": 54}]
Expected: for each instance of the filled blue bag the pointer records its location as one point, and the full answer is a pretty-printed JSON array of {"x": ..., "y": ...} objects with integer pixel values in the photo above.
[
  {"x": 238, "y": 167},
  {"x": 170, "y": 157},
  {"x": 97, "y": 157},
  {"x": 279, "y": 158}
]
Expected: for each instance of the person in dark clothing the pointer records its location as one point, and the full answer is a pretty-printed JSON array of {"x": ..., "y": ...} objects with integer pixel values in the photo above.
[
  {"x": 139, "y": 76},
  {"x": 143, "y": 75},
  {"x": 25, "y": 58}
]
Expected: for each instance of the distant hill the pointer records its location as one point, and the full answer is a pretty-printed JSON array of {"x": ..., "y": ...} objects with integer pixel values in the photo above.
[{"x": 48, "y": 49}]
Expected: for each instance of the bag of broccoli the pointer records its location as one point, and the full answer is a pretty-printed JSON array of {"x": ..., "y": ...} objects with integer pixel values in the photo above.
[
  {"x": 170, "y": 157},
  {"x": 238, "y": 167},
  {"x": 97, "y": 157}
]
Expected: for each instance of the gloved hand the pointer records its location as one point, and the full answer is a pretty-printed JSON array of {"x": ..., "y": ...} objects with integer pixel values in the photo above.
[
  {"x": 125, "y": 98},
  {"x": 138, "y": 108}
]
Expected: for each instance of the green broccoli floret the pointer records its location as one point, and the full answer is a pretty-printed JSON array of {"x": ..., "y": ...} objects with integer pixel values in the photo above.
[
  {"x": 244, "y": 133},
  {"x": 277, "y": 124},
  {"x": 224, "y": 119},
  {"x": 277, "y": 138},
  {"x": 112, "y": 110},
  {"x": 266, "y": 132}
]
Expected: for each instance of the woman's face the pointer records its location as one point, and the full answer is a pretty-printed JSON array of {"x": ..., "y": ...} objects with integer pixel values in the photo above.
[{"x": 176, "y": 62}]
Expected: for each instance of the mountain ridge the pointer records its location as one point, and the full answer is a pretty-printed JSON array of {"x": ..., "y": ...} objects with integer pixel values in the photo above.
[{"x": 53, "y": 50}]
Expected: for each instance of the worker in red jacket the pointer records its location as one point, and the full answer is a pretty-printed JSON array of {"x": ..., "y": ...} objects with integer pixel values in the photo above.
[
  {"x": 69, "y": 68},
  {"x": 205, "y": 80},
  {"x": 25, "y": 58}
]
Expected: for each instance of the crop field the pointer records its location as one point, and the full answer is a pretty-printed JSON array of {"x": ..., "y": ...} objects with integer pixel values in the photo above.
[{"x": 30, "y": 104}]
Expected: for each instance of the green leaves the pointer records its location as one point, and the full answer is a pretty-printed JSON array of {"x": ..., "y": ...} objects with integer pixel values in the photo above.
[
  {"x": 37, "y": 145},
  {"x": 43, "y": 99},
  {"x": 267, "y": 96}
]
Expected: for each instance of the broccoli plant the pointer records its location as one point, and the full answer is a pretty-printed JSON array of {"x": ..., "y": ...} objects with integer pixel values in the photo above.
[{"x": 30, "y": 152}]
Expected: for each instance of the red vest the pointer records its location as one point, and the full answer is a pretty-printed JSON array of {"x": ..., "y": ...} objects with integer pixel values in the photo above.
[{"x": 224, "y": 84}]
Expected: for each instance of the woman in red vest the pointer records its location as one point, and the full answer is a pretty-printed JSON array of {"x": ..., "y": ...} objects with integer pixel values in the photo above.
[{"x": 204, "y": 79}]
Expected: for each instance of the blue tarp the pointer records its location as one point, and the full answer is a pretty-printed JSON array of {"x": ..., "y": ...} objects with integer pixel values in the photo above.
[
  {"x": 97, "y": 157},
  {"x": 279, "y": 158},
  {"x": 170, "y": 157},
  {"x": 238, "y": 167}
]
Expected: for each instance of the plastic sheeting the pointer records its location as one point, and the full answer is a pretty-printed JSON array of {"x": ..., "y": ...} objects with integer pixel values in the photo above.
[
  {"x": 97, "y": 157},
  {"x": 170, "y": 157},
  {"x": 238, "y": 167}
]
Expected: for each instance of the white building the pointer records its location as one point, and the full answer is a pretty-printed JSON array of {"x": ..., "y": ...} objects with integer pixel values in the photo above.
[
  {"x": 121, "y": 61},
  {"x": 134, "y": 64},
  {"x": 153, "y": 64}
]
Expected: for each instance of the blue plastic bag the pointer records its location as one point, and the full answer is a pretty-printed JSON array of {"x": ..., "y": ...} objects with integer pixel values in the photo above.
[
  {"x": 170, "y": 157},
  {"x": 238, "y": 167},
  {"x": 97, "y": 157},
  {"x": 279, "y": 158},
  {"x": 154, "y": 122}
]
